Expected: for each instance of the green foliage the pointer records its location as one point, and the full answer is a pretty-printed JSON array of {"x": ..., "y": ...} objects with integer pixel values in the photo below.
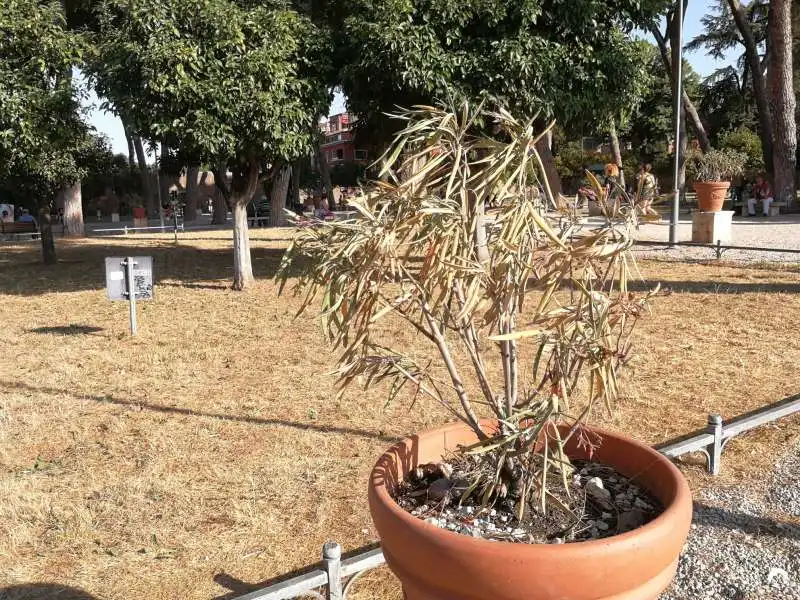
[
  {"x": 651, "y": 125},
  {"x": 747, "y": 142},
  {"x": 224, "y": 80},
  {"x": 43, "y": 141},
  {"x": 547, "y": 57}
]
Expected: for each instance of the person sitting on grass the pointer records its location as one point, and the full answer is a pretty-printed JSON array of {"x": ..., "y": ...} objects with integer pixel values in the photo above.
[{"x": 761, "y": 191}]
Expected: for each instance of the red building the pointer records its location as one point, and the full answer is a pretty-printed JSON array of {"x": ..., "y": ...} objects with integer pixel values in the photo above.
[{"x": 339, "y": 146}]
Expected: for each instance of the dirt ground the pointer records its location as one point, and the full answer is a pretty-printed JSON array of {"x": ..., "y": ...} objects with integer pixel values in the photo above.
[{"x": 209, "y": 454}]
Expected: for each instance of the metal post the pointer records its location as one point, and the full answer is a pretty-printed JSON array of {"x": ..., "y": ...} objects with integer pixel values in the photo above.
[
  {"x": 130, "y": 290},
  {"x": 158, "y": 185},
  {"x": 332, "y": 559},
  {"x": 673, "y": 225},
  {"x": 714, "y": 449}
]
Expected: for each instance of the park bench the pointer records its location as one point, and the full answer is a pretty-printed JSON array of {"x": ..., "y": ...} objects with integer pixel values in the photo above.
[
  {"x": 774, "y": 208},
  {"x": 17, "y": 229}
]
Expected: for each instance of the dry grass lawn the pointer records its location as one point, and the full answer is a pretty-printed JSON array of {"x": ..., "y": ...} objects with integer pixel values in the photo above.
[{"x": 209, "y": 454}]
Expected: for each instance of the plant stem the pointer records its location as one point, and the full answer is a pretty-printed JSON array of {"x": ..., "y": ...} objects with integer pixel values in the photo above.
[{"x": 458, "y": 383}]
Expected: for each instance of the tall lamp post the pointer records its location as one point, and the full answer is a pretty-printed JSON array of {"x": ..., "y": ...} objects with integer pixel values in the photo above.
[{"x": 673, "y": 224}]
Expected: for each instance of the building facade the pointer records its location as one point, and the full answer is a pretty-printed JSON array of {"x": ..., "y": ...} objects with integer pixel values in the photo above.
[{"x": 339, "y": 145}]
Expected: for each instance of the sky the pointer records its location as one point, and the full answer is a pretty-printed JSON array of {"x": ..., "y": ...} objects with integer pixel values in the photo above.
[{"x": 108, "y": 124}]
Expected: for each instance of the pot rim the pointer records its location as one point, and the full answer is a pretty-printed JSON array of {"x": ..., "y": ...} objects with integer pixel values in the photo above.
[{"x": 671, "y": 512}]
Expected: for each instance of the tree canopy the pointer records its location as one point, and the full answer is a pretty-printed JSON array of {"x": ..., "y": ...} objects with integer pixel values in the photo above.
[
  {"x": 545, "y": 57},
  {"x": 224, "y": 80},
  {"x": 43, "y": 140}
]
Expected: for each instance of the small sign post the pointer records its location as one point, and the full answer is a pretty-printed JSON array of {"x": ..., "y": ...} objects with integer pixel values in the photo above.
[{"x": 130, "y": 278}]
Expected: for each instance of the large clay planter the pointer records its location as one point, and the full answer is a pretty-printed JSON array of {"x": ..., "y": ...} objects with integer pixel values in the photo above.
[
  {"x": 436, "y": 564},
  {"x": 711, "y": 194}
]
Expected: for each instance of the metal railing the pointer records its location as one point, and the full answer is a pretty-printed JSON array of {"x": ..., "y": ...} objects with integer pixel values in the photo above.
[
  {"x": 718, "y": 248},
  {"x": 337, "y": 575}
]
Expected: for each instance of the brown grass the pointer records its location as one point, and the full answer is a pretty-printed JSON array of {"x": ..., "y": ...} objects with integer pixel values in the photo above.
[{"x": 209, "y": 454}]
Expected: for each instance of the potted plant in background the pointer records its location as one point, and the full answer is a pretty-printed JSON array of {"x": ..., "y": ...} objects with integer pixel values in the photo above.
[
  {"x": 529, "y": 319},
  {"x": 712, "y": 173}
]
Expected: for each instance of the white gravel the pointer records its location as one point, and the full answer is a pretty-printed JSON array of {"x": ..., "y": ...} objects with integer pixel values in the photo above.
[
  {"x": 765, "y": 232},
  {"x": 742, "y": 546}
]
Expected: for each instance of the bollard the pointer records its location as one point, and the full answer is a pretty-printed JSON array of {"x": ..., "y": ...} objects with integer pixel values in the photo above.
[
  {"x": 714, "y": 449},
  {"x": 332, "y": 559}
]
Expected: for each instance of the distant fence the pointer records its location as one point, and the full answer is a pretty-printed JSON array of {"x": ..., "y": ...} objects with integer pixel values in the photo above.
[
  {"x": 718, "y": 248},
  {"x": 337, "y": 575}
]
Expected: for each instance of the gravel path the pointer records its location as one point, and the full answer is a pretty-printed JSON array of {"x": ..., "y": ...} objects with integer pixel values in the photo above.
[
  {"x": 742, "y": 546},
  {"x": 770, "y": 232}
]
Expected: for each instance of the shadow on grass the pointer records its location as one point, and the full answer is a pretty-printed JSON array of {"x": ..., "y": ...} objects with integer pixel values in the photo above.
[
  {"x": 177, "y": 410},
  {"x": 67, "y": 330},
  {"x": 43, "y": 591},
  {"x": 716, "y": 287},
  {"x": 714, "y": 516},
  {"x": 238, "y": 587},
  {"x": 81, "y": 267}
]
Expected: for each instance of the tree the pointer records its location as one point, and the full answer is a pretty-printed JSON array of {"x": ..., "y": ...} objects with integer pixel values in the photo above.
[
  {"x": 42, "y": 137},
  {"x": 782, "y": 101},
  {"x": 747, "y": 142},
  {"x": 241, "y": 95},
  {"x": 749, "y": 21},
  {"x": 541, "y": 57}
]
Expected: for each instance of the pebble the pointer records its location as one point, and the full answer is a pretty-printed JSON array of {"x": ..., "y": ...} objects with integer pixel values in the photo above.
[{"x": 740, "y": 545}]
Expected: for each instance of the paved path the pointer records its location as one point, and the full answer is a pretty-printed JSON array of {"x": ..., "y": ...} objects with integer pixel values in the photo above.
[{"x": 764, "y": 232}]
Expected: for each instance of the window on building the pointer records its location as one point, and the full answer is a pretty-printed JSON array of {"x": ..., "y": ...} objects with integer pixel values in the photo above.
[
  {"x": 340, "y": 154},
  {"x": 361, "y": 155}
]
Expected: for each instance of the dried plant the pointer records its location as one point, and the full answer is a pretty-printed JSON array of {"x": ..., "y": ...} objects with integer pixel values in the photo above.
[
  {"x": 423, "y": 248},
  {"x": 715, "y": 165}
]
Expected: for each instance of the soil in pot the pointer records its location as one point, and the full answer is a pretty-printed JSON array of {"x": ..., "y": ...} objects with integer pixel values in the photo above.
[{"x": 601, "y": 503}]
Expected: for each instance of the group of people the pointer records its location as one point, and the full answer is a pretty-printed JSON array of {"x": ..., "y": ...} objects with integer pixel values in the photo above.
[
  {"x": 10, "y": 214},
  {"x": 755, "y": 192},
  {"x": 645, "y": 187}
]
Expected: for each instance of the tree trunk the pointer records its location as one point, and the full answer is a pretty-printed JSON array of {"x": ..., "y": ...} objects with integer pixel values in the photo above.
[
  {"x": 73, "y": 210},
  {"x": 782, "y": 98},
  {"x": 243, "y": 188},
  {"x": 325, "y": 171},
  {"x": 681, "y": 143},
  {"x": 46, "y": 234},
  {"x": 190, "y": 210},
  {"x": 617, "y": 153},
  {"x": 296, "y": 167},
  {"x": 220, "y": 206},
  {"x": 242, "y": 265},
  {"x": 278, "y": 193},
  {"x": 131, "y": 151},
  {"x": 688, "y": 106},
  {"x": 549, "y": 164},
  {"x": 164, "y": 178},
  {"x": 147, "y": 188},
  {"x": 757, "y": 77}
]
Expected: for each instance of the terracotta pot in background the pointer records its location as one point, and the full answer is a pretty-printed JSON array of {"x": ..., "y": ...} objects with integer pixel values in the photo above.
[
  {"x": 711, "y": 194},
  {"x": 436, "y": 564}
]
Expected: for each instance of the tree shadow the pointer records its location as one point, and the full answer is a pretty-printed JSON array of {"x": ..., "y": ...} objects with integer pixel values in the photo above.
[
  {"x": 43, "y": 591},
  {"x": 71, "y": 329},
  {"x": 81, "y": 267},
  {"x": 714, "y": 516},
  {"x": 177, "y": 410},
  {"x": 715, "y": 287}
]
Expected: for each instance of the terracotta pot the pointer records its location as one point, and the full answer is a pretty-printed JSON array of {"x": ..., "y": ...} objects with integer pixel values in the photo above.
[
  {"x": 436, "y": 564},
  {"x": 711, "y": 194}
]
